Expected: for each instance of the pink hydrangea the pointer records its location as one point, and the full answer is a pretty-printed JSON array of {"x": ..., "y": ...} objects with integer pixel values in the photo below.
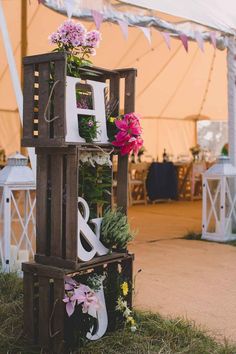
[{"x": 128, "y": 138}]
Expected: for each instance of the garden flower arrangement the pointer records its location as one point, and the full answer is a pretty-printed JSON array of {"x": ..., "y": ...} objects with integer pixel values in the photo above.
[
  {"x": 128, "y": 138},
  {"x": 73, "y": 37}
]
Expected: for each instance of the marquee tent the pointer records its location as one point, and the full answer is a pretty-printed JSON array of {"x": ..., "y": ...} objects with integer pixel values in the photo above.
[{"x": 174, "y": 88}]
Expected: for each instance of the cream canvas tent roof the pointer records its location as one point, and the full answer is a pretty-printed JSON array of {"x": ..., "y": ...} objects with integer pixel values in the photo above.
[{"x": 174, "y": 88}]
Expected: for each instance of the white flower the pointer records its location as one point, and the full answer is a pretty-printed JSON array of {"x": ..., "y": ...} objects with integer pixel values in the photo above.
[
  {"x": 133, "y": 328},
  {"x": 85, "y": 156},
  {"x": 127, "y": 312}
]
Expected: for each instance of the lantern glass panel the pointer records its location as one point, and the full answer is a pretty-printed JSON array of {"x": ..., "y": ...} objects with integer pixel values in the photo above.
[{"x": 213, "y": 204}]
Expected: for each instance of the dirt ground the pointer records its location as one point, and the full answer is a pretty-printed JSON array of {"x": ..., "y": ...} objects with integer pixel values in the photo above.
[{"x": 192, "y": 279}]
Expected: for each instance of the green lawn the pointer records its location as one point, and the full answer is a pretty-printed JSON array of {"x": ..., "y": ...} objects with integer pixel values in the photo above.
[{"x": 154, "y": 334}]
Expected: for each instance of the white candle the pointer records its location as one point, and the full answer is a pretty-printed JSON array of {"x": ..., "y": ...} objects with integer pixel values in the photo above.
[
  {"x": 13, "y": 254},
  {"x": 23, "y": 256},
  {"x": 17, "y": 268}
]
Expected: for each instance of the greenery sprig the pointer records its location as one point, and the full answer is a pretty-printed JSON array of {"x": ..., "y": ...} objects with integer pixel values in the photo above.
[{"x": 115, "y": 230}]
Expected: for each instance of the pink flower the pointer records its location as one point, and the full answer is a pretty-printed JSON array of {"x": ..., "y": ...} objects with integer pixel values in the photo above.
[
  {"x": 92, "y": 39},
  {"x": 128, "y": 138},
  {"x": 80, "y": 294}
]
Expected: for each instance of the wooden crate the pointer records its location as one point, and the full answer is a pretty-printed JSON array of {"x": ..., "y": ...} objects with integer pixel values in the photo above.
[
  {"x": 45, "y": 317},
  {"x": 41, "y": 72},
  {"x": 57, "y": 205}
]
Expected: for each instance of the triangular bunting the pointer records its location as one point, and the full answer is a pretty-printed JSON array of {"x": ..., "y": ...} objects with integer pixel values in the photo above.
[
  {"x": 69, "y": 5},
  {"x": 199, "y": 40},
  {"x": 184, "y": 40},
  {"x": 166, "y": 37},
  {"x": 124, "y": 28},
  {"x": 98, "y": 18},
  {"x": 213, "y": 38},
  {"x": 147, "y": 33}
]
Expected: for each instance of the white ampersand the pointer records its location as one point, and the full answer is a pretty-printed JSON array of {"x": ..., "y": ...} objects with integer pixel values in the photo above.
[{"x": 92, "y": 238}]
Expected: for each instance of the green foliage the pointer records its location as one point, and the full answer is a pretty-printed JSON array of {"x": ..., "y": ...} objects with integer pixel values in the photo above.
[
  {"x": 115, "y": 230},
  {"x": 192, "y": 235},
  {"x": 88, "y": 128},
  {"x": 95, "y": 186}
]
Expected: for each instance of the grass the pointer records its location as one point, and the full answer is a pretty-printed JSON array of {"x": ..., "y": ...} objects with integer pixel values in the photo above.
[
  {"x": 192, "y": 235},
  {"x": 155, "y": 334}
]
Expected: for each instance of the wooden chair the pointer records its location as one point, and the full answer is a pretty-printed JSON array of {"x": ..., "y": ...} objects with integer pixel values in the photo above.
[
  {"x": 137, "y": 183},
  {"x": 190, "y": 180},
  {"x": 196, "y": 179}
]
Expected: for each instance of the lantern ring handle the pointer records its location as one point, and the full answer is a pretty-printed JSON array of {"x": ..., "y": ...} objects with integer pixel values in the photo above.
[{"x": 47, "y": 108}]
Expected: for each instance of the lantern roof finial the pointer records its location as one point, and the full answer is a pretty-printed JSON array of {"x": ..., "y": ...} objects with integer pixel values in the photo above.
[
  {"x": 16, "y": 173},
  {"x": 223, "y": 167}
]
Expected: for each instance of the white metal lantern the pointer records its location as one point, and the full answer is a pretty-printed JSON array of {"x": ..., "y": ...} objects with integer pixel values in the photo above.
[
  {"x": 219, "y": 202},
  {"x": 17, "y": 213}
]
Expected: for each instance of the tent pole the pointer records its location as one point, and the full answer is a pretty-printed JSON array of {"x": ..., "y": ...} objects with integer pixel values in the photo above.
[
  {"x": 231, "y": 67},
  {"x": 23, "y": 53},
  {"x": 15, "y": 78},
  {"x": 24, "y": 38}
]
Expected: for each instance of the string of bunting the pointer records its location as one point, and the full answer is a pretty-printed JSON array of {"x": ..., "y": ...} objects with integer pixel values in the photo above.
[{"x": 95, "y": 10}]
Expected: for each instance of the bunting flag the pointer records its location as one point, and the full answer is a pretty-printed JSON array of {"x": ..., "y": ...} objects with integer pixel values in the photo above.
[
  {"x": 124, "y": 28},
  {"x": 69, "y": 5},
  {"x": 166, "y": 37},
  {"x": 98, "y": 18},
  {"x": 213, "y": 38},
  {"x": 147, "y": 33},
  {"x": 199, "y": 40},
  {"x": 184, "y": 40}
]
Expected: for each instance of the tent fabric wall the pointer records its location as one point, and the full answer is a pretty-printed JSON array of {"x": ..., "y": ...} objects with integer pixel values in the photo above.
[
  {"x": 217, "y": 14},
  {"x": 170, "y": 83},
  {"x": 10, "y": 132},
  {"x": 175, "y": 136}
]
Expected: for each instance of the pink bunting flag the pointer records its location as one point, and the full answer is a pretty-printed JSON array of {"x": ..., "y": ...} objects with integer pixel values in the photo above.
[
  {"x": 98, "y": 18},
  {"x": 124, "y": 28},
  {"x": 199, "y": 40},
  {"x": 184, "y": 40},
  {"x": 213, "y": 38},
  {"x": 166, "y": 37},
  {"x": 69, "y": 5},
  {"x": 147, "y": 33}
]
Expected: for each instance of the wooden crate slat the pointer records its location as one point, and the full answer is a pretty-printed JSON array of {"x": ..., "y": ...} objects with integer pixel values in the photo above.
[
  {"x": 28, "y": 103},
  {"x": 122, "y": 173},
  {"x": 59, "y": 98},
  {"x": 122, "y": 183},
  {"x": 28, "y": 306},
  {"x": 56, "y": 205},
  {"x": 58, "y": 317},
  {"x": 41, "y": 205},
  {"x": 115, "y": 93},
  {"x": 42, "y": 58},
  {"x": 71, "y": 205},
  {"x": 44, "y": 76},
  {"x": 44, "y": 311}
]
